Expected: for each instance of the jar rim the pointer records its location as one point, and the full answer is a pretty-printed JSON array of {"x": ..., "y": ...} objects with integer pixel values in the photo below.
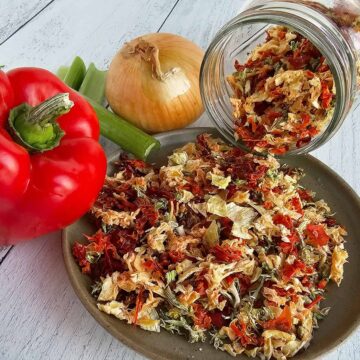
[{"x": 320, "y": 30}]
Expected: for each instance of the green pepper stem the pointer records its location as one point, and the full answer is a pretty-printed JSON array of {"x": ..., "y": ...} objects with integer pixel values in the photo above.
[
  {"x": 35, "y": 128},
  {"x": 50, "y": 109}
]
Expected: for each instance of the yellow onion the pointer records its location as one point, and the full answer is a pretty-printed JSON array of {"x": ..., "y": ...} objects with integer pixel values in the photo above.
[{"x": 153, "y": 82}]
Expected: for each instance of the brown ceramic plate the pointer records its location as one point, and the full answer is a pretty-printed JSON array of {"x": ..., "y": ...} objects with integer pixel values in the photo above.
[{"x": 343, "y": 318}]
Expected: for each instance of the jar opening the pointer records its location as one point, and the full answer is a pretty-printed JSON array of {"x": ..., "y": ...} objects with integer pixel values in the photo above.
[{"x": 241, "y": 35}]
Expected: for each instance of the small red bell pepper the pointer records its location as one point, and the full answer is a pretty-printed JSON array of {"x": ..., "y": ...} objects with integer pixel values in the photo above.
[{"x": 51, "y": 164}]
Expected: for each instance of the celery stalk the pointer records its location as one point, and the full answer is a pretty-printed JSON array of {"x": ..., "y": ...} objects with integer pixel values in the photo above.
[
  {"x": 93, "y": 85},
  {"x": 75, "y": 76},
  {"x": 121, "y": 132},
  {"x": 62, "y": 71}
]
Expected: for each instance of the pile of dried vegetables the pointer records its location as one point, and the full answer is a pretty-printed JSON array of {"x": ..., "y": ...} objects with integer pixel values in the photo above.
[
  {"x": 218, "y": 244},
  {"x": 284, "y": 94}
]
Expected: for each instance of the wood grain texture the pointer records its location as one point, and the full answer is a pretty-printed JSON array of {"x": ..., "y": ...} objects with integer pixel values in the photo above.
[
  {"x": 342, "y": 152},
  {"x": 40, "y": 314},
  {"x": 41, "y": 317},
  {"x": 3, "y": 252},
  {"x": 92, "y": 29},
  {"x": 14, "y": 14}
]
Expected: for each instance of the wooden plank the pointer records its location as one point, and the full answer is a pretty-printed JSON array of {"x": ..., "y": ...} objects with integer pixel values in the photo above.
[
  {"x": 41, "y": 317},
  {"x": 3, "y": 252},
  {"x": 15, "y": 14},
  {"x": 92, "y": 29},
  {"x": 342, "y": 152},
  {"x": 200, "y": 20}
]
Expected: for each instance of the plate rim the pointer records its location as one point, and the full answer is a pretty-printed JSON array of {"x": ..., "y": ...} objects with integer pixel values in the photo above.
[{"x": 147, "y": 352}]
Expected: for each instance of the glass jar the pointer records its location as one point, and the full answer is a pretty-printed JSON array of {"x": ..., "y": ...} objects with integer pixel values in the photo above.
[{"x": 333, "y": 28}]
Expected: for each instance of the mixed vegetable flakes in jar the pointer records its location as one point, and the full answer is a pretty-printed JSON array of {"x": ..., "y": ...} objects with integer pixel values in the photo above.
[{"x": 281, "y": 77}]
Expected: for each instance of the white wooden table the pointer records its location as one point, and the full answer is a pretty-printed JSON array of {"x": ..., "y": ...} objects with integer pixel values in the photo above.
[{"x": 40, "y": 315}]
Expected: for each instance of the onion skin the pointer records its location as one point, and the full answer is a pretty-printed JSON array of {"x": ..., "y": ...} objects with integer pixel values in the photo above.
[{"x": 136, "y": 92}]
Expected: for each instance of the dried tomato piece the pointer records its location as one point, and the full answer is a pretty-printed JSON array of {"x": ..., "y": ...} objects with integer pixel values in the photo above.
[
  {"x": 201, "y": 317},
  {"x": 252, "y": 123},
  {"x": 243, "y": 168},
  {"x": 202, "y": 144},
  {"x": 326, "y": 95},
  {"x": 276, "y": 93},
  {"x": 79, "y": 253},
  {"x": 139, "y": 304},
  {"x": 225, "y": 253},
  {"x": 268, "y": 205},
  {"x": 314, "y": 302},
  {"x": 147, "y": 218},
  {"x": 231, "y": 190},
  {"x": 290, "y": 270},
  {"x": 284, "y": 220},
  {"x": 253, "y": 177},
  {"x": 304, "y": 195},
  {"x": 238, "y": 66},
  {"x": 330, "y": 221},
  {"x": 125, "y": 204},
  {"x": 299, "y": 61},
  {"x": 217, "y": 319},
  {"x": 277, "y": 190},
  {"x": 152, "y": 266},
  {"x": 245, "y": 134},
  {"x": 176, "y": 256},
  {"x": 125, "y": 240},
  {"x": 242, "y": 334},
  {"x": 296, "y": 205},
  {"x": 303, "y": 54},
  {"x": 309, "y": 74},
  {"x": 303, "y": 141},
  {"x": 201, "y": 284},
  {"x": 282, "y": 34},
  {"x": 273, "y": 115},
  {"x": 131, "y": 166},
  {"x": 282, "y": 323},
  {"x": 283, "y": 292},
  {"x": 157, "y": 192},
  {"x": 106, "y": 265},
  {"x": 306, "y": 119},
  {"x": 289, "y": 247},
  {"x": 197, "y": 190},
  {"x": 288, "y": 293},
  {"x": 316, "y": 235},
  {"x": 164, "y": 260},
  {"x": 99, "y": 251},
  {"x": 306, "y": 281},
  {"x": 244, "y": 281},
  {"x": 323, "y": 68},
  {"x": 322, "y": 284}
]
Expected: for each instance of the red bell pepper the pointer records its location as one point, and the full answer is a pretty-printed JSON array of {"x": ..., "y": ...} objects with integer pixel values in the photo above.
[{"x": 51, "y": 164}]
